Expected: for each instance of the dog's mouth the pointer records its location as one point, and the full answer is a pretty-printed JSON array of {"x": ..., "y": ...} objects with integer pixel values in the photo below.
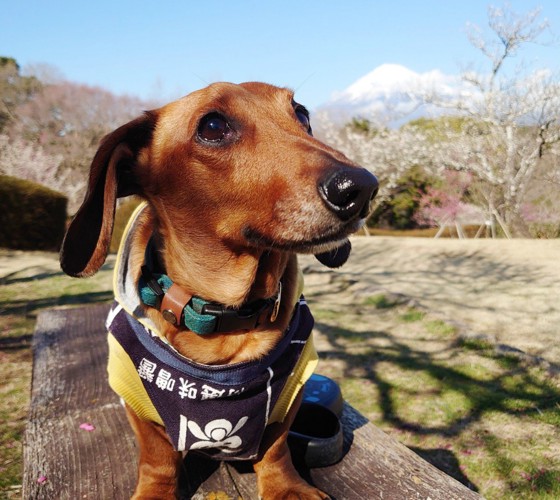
[{"x": 326, "y": 242}]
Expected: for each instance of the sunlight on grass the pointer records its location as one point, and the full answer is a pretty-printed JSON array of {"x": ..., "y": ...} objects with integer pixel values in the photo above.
[
  {"x": 486, "y": 418},
  {"x": 439, "y": 327},
  {"x": 380, "y": 301},
  {"x": 412, "y": 315},
  {"x": 475, "y": 344},
  {"x": 324, "y": 314},
  {"x": 22, "y": 295},
  {"x": 14, "y": 395}
]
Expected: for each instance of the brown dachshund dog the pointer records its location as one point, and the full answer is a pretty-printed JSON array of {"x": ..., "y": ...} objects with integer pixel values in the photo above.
[{"x": 235, "y": 185}]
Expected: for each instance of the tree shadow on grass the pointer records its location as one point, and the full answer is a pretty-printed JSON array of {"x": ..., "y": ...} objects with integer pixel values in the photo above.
[
  {"x": 30, "y": 308},
  {"x": 36, "y": 273},
  {"x": 16, "y": 343},
  {"x": 33, "y": 275},
  {"x": 515, "y": 390},
  {"x": 17, "y": 317}
]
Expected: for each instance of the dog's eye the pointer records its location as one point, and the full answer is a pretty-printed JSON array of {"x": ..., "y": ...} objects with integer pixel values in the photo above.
[
  {"x": 303, "y": 117},
  {"x": 213, "y": 128}
]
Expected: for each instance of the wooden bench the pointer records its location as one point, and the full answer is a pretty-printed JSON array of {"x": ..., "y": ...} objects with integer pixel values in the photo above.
[{"x": 63, "y": 461}]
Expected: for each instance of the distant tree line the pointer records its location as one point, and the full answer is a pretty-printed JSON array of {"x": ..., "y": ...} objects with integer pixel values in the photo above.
[{"x": 50, "y": 128}]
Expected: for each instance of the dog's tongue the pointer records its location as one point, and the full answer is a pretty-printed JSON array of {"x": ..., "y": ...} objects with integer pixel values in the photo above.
[{"x": 336, "y": 257}]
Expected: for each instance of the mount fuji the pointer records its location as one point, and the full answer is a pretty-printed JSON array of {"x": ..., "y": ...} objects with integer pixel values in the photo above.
[{"x": 394, "y": 93}]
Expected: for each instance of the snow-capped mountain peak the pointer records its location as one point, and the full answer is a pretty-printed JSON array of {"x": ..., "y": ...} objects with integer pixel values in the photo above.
[
  {"x": 384, "y": 79},
  {"x": 394, "y": 92}
]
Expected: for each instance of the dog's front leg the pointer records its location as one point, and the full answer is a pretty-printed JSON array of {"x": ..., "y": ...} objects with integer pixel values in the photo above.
[
  {"x": 159, "y": 464},
  {"x": 277, "y": 478}
]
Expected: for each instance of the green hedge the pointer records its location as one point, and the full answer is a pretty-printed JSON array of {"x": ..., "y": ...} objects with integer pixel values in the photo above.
[{"x": 32, "y": 217}]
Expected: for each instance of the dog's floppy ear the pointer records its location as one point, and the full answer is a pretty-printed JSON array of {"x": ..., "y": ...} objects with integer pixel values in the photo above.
[
  {"x": 87, "y": 240},
  {"x": 336, "y": 257}
]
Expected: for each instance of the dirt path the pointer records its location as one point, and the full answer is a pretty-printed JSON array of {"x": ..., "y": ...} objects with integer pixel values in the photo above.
[{"x": 505, "y": 290}]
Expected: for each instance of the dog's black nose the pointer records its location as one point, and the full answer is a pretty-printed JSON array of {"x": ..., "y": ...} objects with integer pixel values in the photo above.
[{"x": 348, "y": 192}]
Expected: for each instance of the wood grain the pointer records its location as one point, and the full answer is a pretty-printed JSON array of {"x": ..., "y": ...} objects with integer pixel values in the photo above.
[{"x": 70, "y": 388}]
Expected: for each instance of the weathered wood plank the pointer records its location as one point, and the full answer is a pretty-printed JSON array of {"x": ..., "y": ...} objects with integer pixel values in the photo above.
[
  {"x": 70, "y": 388},
  {"x": 375, "y": 466},
  {"x": 375, "y": 463}
]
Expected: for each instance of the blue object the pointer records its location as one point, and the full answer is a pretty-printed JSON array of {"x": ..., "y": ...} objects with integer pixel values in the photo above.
[{"x": 323, "y": 391}]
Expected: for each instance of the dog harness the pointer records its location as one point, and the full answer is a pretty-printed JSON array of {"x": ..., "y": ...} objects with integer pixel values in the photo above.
[{"x": 222, "y": 410}]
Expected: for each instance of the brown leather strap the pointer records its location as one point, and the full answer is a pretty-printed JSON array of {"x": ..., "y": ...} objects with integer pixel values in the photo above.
[{"x": 173, "y": 303}]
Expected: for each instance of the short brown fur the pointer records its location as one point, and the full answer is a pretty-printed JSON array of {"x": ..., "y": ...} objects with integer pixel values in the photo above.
[{"x": 206, "y": 203}]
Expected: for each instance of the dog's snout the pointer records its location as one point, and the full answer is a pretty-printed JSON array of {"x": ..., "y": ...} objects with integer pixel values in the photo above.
[{"x": 348, "y": 192}]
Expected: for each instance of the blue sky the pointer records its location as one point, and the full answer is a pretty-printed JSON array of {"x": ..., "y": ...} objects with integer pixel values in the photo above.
[{"x": 162, "y": 49}]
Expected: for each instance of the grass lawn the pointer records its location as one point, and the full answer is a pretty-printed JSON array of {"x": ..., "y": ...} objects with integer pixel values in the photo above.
[
  {"x": 488, "y": 419},
  {"x": 23, "y": 292}
]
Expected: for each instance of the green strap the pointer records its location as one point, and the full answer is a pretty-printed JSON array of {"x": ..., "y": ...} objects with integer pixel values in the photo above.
[
  {"x": 193, "y": 318},
  {"x": 196, "y": 321}
]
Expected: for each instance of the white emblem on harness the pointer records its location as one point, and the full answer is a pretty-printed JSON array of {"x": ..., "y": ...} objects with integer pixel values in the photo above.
[{"x": 217, "y": 434}]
